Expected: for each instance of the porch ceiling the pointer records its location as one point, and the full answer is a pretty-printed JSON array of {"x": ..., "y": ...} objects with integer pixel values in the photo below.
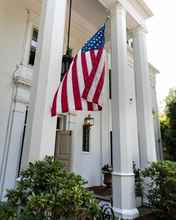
[
  {"x": 93, "y": 11},
  {"x": 33, "y": 5}
]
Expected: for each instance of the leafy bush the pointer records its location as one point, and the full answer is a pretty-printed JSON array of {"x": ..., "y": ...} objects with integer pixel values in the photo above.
[
  {"x": 168, "y": 126},
  {"x": 138, "y": 181},
  {"x": 162, "y": 187},
  {"x": 6, "y": 212},
  {"x": 46, "y": 191}
]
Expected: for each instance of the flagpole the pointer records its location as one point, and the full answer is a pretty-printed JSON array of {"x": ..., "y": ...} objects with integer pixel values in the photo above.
[{"x": 69, "y": 25}]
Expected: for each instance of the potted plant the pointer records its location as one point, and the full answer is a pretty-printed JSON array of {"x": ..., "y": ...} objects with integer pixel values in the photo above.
[{"x": 107, "y": 172}]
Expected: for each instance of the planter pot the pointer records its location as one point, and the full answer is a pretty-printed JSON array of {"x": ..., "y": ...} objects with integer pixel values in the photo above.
[{"x": 107, "y": 179}]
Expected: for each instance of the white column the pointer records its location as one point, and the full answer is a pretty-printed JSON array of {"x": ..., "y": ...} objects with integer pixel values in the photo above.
[
  {"x": 123, "y": 177},
  {"x": 41, "y": 129},
  {"x": 143, "y": 100}
]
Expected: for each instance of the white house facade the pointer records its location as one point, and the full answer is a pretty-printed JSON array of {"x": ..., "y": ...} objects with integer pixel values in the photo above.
[{"x": 126, "y": 130}]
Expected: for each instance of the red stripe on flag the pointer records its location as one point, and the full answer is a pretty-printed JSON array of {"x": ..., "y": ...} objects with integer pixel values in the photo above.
[
  {"x": 90, "y": 106},
  {"x": 54, "y": 105},
  {"x": 99, "y": 87},
  {"x": 64, "y": 99},
  {"x": 76, "y": 92},
  {"x": 92, "y": 75},
  {"x": 92, "y": 56},
  {"x": 84, "y": 68}
]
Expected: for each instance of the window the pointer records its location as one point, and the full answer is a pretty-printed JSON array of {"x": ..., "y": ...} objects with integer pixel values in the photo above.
[
  {"x": 110, "y": 80},
  {"x": 61, "y": 122},
  {"x": 33, "y": 46},
  {"x": 86, "y": 135}
]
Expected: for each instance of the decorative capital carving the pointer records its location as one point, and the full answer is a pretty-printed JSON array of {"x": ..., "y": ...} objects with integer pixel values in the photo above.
[{"x": 139, "y": 29}]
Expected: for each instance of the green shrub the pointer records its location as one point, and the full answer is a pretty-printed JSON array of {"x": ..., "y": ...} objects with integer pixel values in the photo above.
[
  {"x": 46, "y": 191},
  {"x": 138, "y": 181},
  {"x": 162, "y": 187},
  {"x": 7, "y": 212}
]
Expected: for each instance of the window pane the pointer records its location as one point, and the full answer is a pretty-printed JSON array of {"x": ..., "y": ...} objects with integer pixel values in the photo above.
[
  {"x": 32, "y": 55},
  {"x": 33, "y": 47},
  {"x": 58, "y": 126},
  {"x": 86, "y": 134},
  {"x": 35, "y": 35}
]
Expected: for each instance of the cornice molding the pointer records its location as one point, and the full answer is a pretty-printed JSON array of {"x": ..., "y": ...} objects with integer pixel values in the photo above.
[
  {"x": 21, "y": 80},
  {"x": 23, "y": 76}
]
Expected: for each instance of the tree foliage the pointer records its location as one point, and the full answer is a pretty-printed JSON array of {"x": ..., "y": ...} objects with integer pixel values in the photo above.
[
  {"x": 162, "y": 187},
  {"x": 157, "y": 185},
  {"x": 168, "y": 126}
]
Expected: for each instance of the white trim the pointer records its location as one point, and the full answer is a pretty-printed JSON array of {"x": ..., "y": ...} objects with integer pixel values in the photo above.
[
  {"x": 122, "y": 174},
  {"x": 145, "y": 7}
]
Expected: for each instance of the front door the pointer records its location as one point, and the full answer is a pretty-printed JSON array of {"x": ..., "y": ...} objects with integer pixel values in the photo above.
[{"x": 63, "y": 147}]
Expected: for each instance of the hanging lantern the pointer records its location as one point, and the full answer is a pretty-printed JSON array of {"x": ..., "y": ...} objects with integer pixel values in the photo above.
[{"x": 89, "y": 121}]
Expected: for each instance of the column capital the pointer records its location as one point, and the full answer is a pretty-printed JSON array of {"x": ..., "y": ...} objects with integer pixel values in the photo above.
[{"x": 139, "y": 29}]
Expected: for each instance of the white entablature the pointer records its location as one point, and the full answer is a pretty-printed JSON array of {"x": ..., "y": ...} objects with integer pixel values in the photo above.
[{"x": 137, "y": 11}]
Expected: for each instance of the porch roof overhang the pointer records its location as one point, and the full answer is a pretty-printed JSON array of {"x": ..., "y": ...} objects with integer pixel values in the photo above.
[{"x": 137, "y": 11}]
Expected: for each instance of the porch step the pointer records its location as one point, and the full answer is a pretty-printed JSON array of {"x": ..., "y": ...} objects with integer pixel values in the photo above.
[{"x": 102, "y": 193}]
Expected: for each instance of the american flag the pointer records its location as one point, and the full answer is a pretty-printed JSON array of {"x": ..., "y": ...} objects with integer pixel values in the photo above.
[{"x": 81, "y": 87}]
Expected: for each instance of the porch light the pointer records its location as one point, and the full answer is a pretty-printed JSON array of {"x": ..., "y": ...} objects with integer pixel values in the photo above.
[{"x": 89, "y": 121}]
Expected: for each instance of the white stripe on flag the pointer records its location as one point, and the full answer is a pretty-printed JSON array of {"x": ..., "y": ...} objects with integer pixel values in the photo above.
[
  {"x": 97, "y": 77},
  {"x": 89, "y": 62},
  {"x": 81, "y": 79},
  {"x": 71, "y": 103}
]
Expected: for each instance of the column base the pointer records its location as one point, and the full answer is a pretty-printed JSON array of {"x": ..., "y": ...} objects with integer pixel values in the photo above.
[
  {"x": 126, "y": 213},
  {"x": 124, "y": 196}
]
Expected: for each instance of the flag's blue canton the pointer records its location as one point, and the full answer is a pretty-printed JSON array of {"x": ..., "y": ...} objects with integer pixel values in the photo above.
[{"x": 96, "y": 42}]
